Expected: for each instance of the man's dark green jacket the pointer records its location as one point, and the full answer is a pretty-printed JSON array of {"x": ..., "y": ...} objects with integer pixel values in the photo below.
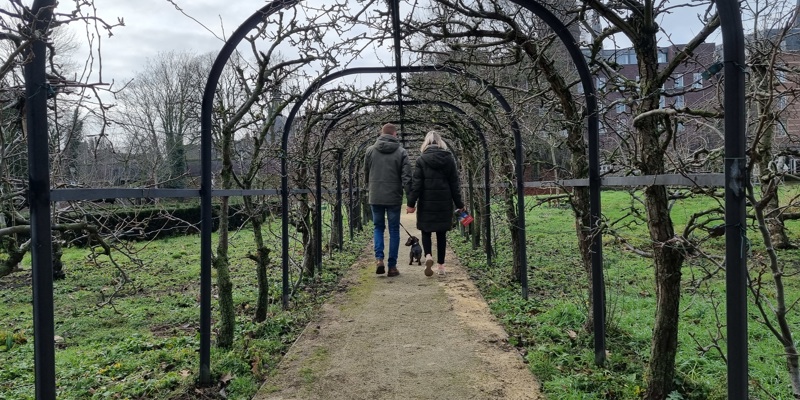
[{"x": 387, "y": 171}]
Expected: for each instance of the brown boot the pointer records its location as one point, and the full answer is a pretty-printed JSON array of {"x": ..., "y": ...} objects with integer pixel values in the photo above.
[
  {"x": 380, "y": 270},
  {"x": 393, "y": 271}
]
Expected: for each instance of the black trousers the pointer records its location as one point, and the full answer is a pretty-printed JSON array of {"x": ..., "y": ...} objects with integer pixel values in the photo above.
[{"x": 441, "y": 243}]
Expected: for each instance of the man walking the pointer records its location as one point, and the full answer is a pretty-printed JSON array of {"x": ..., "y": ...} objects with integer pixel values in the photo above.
[{"x": 387, "y": 172}]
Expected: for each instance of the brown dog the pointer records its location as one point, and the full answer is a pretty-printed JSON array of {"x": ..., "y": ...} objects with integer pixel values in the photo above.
[{"x": 416, "y": 250}]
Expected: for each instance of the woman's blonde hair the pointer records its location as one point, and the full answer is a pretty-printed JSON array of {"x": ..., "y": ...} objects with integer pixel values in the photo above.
[{"x": 433, "y": 137}]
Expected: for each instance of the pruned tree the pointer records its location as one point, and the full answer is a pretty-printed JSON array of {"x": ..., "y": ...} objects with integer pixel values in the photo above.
[
  {"x": 259, "y": 87},
  {"x": 653, "y": 133}
]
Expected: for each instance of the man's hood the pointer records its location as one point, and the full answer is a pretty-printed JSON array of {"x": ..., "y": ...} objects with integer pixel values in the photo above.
[{"x": 387, "y": 144}]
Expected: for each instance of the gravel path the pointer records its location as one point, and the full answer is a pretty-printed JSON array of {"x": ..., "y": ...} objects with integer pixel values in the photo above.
[{"x": 406, "y": 337}]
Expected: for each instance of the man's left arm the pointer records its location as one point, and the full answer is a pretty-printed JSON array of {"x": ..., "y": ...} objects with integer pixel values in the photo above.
[{"x": 406, "y": 173}]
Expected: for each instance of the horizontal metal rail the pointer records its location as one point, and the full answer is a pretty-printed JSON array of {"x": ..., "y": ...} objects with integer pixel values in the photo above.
[
  {"x": 644, "y": 180},
  {"x": 125, "y": 193}
]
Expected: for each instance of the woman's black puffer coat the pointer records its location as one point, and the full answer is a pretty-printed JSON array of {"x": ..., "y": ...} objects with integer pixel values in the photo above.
[{"x": 435, "y": 190}]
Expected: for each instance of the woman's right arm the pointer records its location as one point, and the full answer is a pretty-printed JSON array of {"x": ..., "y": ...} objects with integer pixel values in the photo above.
[{"x": 416, "y": 184}]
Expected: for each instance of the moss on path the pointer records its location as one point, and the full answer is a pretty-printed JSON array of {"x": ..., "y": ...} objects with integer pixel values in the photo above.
[{"x": 406, "y": 337}]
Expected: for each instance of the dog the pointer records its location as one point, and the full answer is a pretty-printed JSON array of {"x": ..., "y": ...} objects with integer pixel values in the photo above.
[{"x": 416, "y": 250}]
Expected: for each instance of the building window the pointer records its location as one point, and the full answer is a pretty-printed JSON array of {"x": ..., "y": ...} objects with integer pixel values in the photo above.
[
  {"x": 601, "y": 82},
  {"x": 781, "y": 75},
  {"x": 626, "y": 57},
  {"x": 679, "y": 102},
  {"x": 662, "y": 102},
  {"x": 621, "y": 108},
  {"x": 681, "y": 127},
  {"x": 678, "y": 82},
  {"x": 662, "y": 56},
  {"x": 780, "y": 129},
  {"x": 697, "y": 80},
  {"x": 781, "y": 102},
  {"x": 622, "y": 125}
]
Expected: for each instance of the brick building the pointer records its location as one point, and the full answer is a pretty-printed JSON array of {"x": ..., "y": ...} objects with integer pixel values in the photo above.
[{"x": 691, "y": 87}]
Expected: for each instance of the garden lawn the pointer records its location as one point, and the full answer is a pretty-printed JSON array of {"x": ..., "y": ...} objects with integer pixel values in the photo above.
[
  {"x": 144, "y": 342},
  {"x": 549, "y": 327}
]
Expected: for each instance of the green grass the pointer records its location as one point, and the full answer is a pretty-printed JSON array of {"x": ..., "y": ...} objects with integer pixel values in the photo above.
[
  {"x": 144, "y": 343},
  {"x": 550, "y": 324}
]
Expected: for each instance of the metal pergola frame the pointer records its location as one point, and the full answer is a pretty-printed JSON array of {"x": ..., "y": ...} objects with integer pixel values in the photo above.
[
  {"x": 475, "y": 126},
  {"x": 417, "y": 69},
  {"x": 41, "y": 195}
]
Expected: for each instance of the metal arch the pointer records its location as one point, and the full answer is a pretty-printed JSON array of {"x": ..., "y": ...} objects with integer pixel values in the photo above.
[
  {"x": 205, "y": 176},
  {"x": 590, "y": 95},
  {"x": 475, "y": 126},
  {"x": 735, "y": 180},
  {"x": 408, "y": 69}
]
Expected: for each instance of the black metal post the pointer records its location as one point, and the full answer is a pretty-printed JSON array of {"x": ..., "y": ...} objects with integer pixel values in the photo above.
[
  {"x": 284, "y": 232},
  {"x": 519, "y": 156},
  {"x": 338, "y": 210},
  {"x": 487, "y": 193},
  {"x": 398, "y": 60},
  {"x": 318, "y": 214},
  {"x": 735, "y": 204},
  {"x": 350, "y": 200},
  {"x": 44, "y": 352}
]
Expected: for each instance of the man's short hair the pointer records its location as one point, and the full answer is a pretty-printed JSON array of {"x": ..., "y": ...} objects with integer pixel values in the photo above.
[{"x": 389, "y": 129}]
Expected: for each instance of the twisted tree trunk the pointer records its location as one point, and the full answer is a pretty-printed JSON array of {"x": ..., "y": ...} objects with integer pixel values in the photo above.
[{"x": 221, "y": 262}]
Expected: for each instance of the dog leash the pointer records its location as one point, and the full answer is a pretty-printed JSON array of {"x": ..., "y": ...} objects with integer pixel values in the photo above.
[{"x": 404, "y": 228}]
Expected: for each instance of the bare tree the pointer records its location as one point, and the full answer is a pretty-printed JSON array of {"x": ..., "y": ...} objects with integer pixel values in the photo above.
[
  {"x": 67, "y": 96},
  {"x": 160, "y": 114},
  {"x": 653, "y": 135}
]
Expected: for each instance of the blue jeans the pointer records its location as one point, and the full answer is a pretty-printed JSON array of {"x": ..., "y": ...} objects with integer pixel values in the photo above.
[{"x": 393, "y": 214}]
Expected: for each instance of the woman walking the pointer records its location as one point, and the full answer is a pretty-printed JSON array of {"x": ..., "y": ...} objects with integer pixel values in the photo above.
[{"x": 434, "y": 190}]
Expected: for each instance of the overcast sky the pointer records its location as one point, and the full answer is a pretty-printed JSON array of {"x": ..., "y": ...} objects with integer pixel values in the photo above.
[{"x": 156, "y": 26}]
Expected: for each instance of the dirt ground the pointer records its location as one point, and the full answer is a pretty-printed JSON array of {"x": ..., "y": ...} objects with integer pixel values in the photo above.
[{"x": 406, "y": 337}]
